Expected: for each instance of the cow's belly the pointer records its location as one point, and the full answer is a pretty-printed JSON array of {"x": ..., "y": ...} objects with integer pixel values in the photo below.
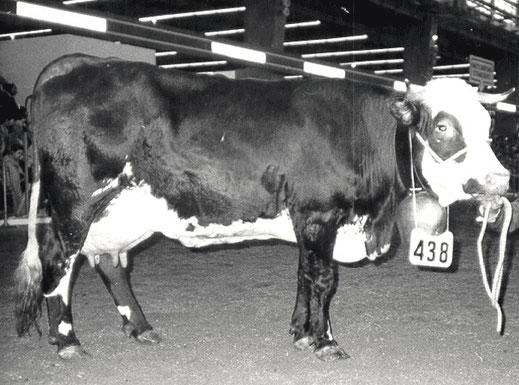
[{"x": 135, "y": 214}]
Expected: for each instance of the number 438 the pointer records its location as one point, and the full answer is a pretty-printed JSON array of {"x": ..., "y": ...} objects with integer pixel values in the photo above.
[{"x": 430, "y": 250}]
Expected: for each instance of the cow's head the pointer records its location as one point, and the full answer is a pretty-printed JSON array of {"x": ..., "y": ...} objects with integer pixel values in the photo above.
[{"x": 451, "y": 146}]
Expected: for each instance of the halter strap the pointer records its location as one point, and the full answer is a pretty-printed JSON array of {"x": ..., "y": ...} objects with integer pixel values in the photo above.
[{"x": 435, "y": 156}]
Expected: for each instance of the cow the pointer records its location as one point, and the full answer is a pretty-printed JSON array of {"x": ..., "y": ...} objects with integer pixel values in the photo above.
[{"x": 127, "y": 149}]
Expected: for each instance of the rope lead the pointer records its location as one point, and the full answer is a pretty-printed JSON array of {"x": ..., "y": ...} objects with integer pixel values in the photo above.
[{"x": 494, "y": 292}]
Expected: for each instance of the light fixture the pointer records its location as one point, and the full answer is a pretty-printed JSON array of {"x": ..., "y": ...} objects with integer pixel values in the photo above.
[
  {"x": 451, "y": 66},
  {"x": 372, "y": 62},
  {"x": 195, "y": 64},
  {"x": 13, "y": 35},
  {"x": 389, "y": 72},
  {"x": 72, "y": 2},
  {"x": 166, "y": 53},
  {"x": 331, "y": 40},
  {"x": 59, "y": 16},
  {"x": 183, "y": 15},
  {"x": 237, "y": 31},
  {"x": 353, "y": 52},
  {"x": 225, "y": 32}
]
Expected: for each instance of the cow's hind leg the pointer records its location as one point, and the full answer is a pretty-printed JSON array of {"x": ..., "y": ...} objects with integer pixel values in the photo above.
[
  {"x": 317, "y": 284},
  {"x": 117, "y": 282},
  {"x": 58, "y": 274}
]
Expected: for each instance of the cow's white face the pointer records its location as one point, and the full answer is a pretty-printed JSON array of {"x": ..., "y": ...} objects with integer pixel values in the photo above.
[{"x": 460, "y": 123}]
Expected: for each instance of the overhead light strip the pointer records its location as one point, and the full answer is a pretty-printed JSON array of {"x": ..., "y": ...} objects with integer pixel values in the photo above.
[
  {"x": 389, "y": 72},
  {"x": 451, "y": 66},
  {"x": 303, "y": 24},
  {"x": 166, "y": 53},
  {"x": 225, "y": 32},
  {"x": 53, "y": 15},
  {"x": 353, "y": 52},
  {"x": 237, "y": 31},
  {"x": 195, "y": 64},
  {"x": 13, "y": 35},
  {"x": 184, "y": 15},
  {"x": 331, "y": 40},
  {"x": 372, "y": 62},
  {"x": 72, "y": 2}
]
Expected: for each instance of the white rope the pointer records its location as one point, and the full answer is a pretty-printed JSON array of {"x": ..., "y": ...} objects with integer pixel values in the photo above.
[{"x": 494, "y": 292}]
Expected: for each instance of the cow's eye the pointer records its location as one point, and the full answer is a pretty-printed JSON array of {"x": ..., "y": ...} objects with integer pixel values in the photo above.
[{"x": 441, "y": 127}]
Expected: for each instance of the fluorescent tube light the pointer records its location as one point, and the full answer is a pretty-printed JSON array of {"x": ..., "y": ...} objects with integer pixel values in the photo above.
[
  {"x": 354, "y": 52},
  {"x": 72, "y": 2},
  {"x": 182, "y": 15},
  {"x": 324, "y": 41},
  {"x": 12, "y": 35},
  {"x": 195, "y": 64},
  {"x": 372, "y": 62},
  {"x": 237, "y": 31},
  {"x": 166, "y": 53},
  {"x": 388, "y": 72}
]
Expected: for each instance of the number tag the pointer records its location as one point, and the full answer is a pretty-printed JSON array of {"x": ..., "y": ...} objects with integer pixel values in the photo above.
[{"x": 431, "y": 250}]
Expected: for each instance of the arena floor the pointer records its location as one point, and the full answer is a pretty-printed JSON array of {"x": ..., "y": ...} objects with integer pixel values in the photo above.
[{"x": 224, "y": 316}]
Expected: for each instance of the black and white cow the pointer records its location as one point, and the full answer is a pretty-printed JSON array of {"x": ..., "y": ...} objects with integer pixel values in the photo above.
[{"x": 127, "y": 149}]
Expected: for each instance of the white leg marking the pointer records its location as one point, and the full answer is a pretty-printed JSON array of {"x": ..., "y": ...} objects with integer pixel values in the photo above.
[
  {"x": 64, "y": 328},
  {"x": 329, "y": 332},
  {"x": 63, "y": 287},
  {"x": 125, "y": 311}
]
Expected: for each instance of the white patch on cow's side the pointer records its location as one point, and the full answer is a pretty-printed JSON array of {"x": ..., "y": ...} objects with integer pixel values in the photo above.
[
  {"x": 64, "y": 328},
  {"x": 125, "y": 311},
  {"x": 63, "y": 287},
  {"x": 135, "y": 214},
  {"x": 350, "y": 242},
  {"x": 113, "y": 183}
]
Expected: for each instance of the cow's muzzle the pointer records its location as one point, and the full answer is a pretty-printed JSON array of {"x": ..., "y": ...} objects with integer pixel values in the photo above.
[{"x": 493, "y": 184}]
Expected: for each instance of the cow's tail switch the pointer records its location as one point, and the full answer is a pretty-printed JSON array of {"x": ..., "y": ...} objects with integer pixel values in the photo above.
[{"x": 28, "y": 275}]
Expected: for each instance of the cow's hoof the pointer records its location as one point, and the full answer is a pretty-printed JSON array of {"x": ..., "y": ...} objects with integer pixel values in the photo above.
[
  {"x": 305, "y": 343},
  {"x": 148, "y": 337},
  {"x": 72, "y": 352},
  {"x": 331, "y": 353}
]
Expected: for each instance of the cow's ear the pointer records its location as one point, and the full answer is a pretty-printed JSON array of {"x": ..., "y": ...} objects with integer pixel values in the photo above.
[{"x": 403, "y": 110}]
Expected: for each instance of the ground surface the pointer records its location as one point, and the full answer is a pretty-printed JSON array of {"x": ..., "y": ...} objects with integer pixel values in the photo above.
[{"x": 224, "y": 316}]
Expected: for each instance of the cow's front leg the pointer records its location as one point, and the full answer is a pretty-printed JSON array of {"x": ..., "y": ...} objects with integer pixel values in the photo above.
[
  {"x": 317, "y": 283},
  {"x": 58, "y": 298},
  {"x": 116, "y": 281}
]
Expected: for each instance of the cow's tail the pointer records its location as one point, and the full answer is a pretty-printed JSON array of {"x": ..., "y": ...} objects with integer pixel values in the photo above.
[{"x": 28, "y": 275}]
